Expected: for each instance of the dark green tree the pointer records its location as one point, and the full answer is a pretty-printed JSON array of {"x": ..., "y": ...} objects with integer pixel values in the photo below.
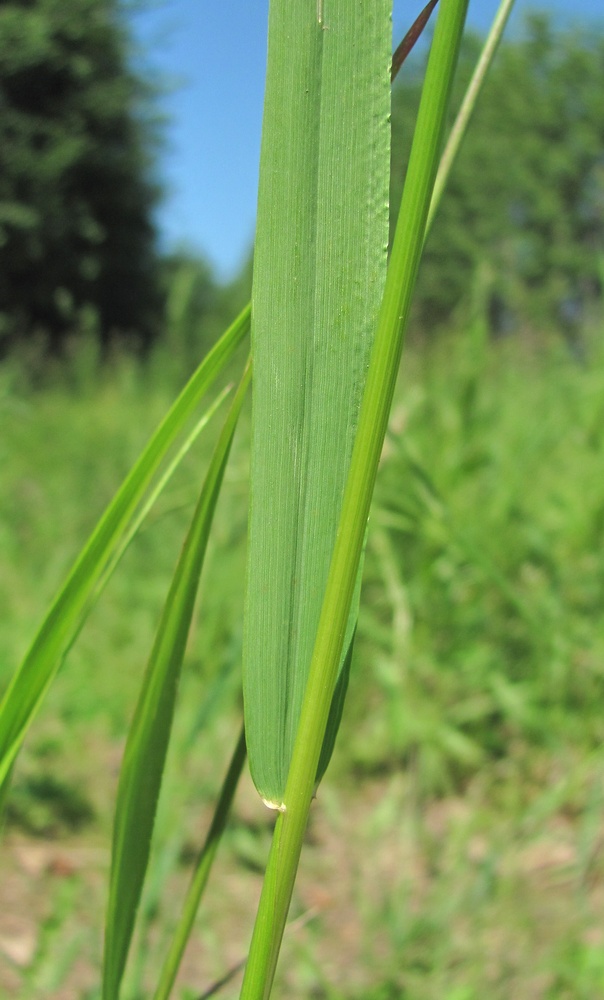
[
  {"x": 76, "y": 199},
  {"x": 198, "y": 308},
  {"x": 522, "y": 221}
]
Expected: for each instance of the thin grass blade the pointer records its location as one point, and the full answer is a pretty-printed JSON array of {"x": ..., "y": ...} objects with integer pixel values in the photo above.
[
  {"x": 29, "y": 685},
  {"x": 158, "y": 488},
  {"x": 468, "y": 104},
  {"x": 140, "y": 517},
  {"x": 201, "y": 874},
  {"x": 147, "y": 744}
]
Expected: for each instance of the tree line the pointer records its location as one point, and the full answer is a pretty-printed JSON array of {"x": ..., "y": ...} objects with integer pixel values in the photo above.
[
  {"x": 521, "y": 229},
  {"x": 77, "y": 242}
]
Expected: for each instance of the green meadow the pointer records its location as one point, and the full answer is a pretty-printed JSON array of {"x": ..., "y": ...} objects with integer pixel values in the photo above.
[{"x": 457, "y": 848}]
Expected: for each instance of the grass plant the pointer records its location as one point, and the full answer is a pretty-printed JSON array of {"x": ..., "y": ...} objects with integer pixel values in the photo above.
[
  {"x": 327, "y": 334},
  {"x": 328, "y": 645}
]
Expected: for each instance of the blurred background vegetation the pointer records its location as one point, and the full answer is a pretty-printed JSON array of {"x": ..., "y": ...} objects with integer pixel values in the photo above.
[
  {"x": 457, "y": 847},
  {"x": 522, "y": 225}
]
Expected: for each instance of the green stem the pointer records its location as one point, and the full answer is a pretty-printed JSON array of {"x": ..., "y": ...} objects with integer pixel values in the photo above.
[
  {"x": 385, "y": 359},
  {"x": 202, "y": 872}
]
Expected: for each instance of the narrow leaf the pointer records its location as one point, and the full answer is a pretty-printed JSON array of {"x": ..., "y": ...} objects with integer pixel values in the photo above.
[
  {"x": 201, "y": 874},
  {"x": 138, "y": 520},
  {"x": 29, "y": 685},
  {"x": 468, "y": 104},
  {"x": 147, "y": 744}
]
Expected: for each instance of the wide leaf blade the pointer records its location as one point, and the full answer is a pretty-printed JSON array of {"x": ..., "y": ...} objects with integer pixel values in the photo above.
[{"x": 319, "y": 271}]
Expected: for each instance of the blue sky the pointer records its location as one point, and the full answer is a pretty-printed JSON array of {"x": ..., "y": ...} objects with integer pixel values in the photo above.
[{"x": 212, "y": 55}]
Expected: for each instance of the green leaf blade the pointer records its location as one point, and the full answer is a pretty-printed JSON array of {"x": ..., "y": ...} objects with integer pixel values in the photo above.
[
  {"x": 147, "y": 744},
  {"x": 320, "y": 263},
  {"x": 33, "y": 678},
  {"x": 201, "y": 873}
]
